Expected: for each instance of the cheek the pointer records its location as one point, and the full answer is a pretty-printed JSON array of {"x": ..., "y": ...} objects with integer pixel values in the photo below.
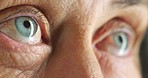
[
  {"x": 22, "y": 56},
  {"x": 118, "y": 67}
]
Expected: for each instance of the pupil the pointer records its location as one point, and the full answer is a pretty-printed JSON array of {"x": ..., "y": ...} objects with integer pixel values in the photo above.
[
  {"x": 120, "y": 39},
  {"x": 27, "y": 24}
]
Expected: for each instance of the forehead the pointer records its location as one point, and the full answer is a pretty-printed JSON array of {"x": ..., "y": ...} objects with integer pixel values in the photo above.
[{"x": 78, "y": 3}]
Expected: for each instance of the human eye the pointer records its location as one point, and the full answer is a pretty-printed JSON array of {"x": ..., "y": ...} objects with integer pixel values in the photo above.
[
  {"x": 24, "y": 24},
  {"x": 118, "y": 39}
]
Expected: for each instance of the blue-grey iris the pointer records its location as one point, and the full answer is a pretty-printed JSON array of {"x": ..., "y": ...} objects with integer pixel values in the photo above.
[
  {"x": 26, "y": 26},
  {"x": 121, "y": 41}
]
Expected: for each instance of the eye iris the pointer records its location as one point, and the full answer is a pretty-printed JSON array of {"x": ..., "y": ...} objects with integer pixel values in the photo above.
[
  {"x": 121, "y": 41},
  {"x": 26, "y": 26}
]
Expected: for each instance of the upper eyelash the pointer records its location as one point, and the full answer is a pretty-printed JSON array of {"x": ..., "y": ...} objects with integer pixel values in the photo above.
[{"x": 26, "y": 11}]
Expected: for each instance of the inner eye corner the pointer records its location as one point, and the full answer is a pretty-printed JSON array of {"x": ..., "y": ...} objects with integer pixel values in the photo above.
[{"x": 45, "y": 39}]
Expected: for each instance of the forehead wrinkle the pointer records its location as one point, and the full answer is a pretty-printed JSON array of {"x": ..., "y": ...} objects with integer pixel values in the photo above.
[
  {"x": 84, "y": 13},
  {"x": 73, "y": 7},
  {"x": 88, "y": 4},
  {"x": 85, "y": 7}
]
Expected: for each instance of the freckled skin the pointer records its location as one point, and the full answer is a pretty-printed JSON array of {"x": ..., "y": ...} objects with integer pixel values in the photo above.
[{"x": 71, "y": 53}]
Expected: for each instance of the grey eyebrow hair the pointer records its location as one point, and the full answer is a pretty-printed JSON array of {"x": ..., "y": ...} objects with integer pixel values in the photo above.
[{"x": 125, "y": 3}]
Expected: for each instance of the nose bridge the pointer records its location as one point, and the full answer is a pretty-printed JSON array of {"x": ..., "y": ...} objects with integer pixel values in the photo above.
[
  {"x": 80, "y": 53},
  {"x": 74, "y": 54}
]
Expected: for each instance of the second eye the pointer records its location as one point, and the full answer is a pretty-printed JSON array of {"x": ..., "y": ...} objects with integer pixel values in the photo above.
[{"x": 117, "y": 40}]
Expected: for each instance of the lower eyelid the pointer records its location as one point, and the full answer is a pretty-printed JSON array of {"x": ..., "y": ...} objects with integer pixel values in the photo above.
[
  {"x": 103, "y": 58},
  {"x": 22, "y": 51}
]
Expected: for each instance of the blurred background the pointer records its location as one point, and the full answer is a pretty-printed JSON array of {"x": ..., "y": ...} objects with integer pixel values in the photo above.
[
  {"x": 144, "y": 56},
  {"x": 144, "y": 50}
]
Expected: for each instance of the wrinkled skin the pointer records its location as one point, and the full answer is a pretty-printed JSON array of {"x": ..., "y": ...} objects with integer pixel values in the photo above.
[{"x": 69, "y": 49}]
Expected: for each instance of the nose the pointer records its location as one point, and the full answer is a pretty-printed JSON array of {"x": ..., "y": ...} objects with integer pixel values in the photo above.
[{"x": 73, "y": 55}]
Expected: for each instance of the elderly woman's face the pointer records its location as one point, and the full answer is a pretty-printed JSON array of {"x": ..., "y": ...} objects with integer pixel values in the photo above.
[{"x": 71, "y": 38}]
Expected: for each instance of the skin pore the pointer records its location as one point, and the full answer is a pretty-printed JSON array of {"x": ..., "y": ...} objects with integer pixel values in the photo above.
[{"x": 72, "y": 39}]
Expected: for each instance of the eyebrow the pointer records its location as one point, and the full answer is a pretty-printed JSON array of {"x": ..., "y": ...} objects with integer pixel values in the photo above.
[{"x": 125, "y": 3}]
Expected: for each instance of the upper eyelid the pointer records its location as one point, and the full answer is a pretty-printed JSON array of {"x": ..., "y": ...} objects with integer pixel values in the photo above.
[
  {"x": 11, "y": 12},
  {"x": 110, "y": 27}
]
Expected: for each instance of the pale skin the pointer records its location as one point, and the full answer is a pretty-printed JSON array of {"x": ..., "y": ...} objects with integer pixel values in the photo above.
[{"x": 65, "y": 47}]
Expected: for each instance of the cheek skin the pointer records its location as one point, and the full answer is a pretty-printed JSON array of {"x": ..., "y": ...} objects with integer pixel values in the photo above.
[
  {"x": 118, "y": 67},
  {"x": 16, "y": 57}
]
